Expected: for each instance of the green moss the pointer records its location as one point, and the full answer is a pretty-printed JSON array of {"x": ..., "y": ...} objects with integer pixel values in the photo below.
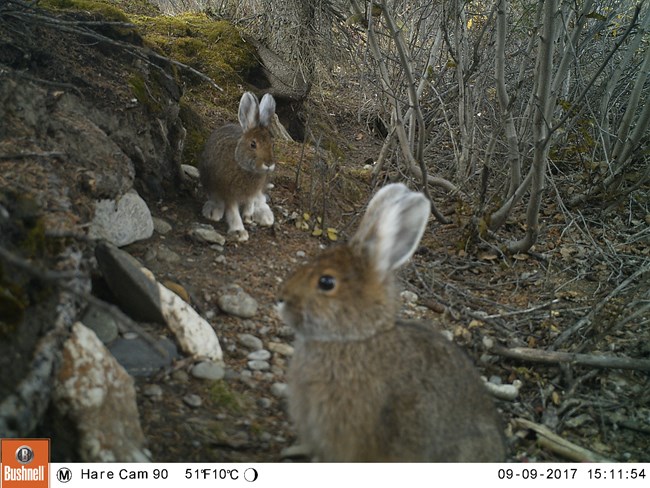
[
  {"x": 226, "y": 398},
  {"x": 146, "y": 93},
  {"x": 197, "y": 132},
  {"x": 12, "y": 309},
  {"x": 106, "y": 8},
  {"x": 34, "y": 242},
  {"x": 215, "y": 48}
]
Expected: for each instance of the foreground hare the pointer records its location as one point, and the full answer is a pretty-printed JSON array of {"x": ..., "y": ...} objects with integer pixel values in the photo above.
[
  {"x": 235, "y": 164},
  {"x": 363, "y": 386}
]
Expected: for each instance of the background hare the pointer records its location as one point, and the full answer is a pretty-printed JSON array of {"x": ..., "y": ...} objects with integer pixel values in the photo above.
[
  {"x": 363, "y": 386},
  {"x": 235, "y": 164}
]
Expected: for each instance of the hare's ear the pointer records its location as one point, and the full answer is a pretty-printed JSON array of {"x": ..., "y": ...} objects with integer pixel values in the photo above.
[
  {"x": 249, "y": 111},
  {"x": 391, "y": 227},
  {"x": 267, "y": 110}
]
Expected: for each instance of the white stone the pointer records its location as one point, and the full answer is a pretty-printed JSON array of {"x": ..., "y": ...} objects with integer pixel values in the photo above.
[
  {"x": 122, "y": 222},
  {"x": 279, "y": 390},
  {"x": 194, "y": 334},
  {"x": 259, "y": 355},
  {"x": 190, "y": 172},
  {"x": 409, "y": 297}
]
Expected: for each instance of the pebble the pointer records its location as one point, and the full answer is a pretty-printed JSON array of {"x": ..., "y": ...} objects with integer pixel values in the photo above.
[
  {"x": 206, "y": 233},
  {"x": 166, "y": 255},
  {"x": 251, "y": 342},
  {"x": 102, "y": 323},
  {"x": 180, "y": 376},
  {"x": 280, "y": 348},
  {"x": 129, "y": 336},
  {"x": 264, "y": 402},
  {"x": 161, "y": 226},
  {"x": 259, "y": 355},
  {"x": 258, "y": 365},
  {"x": 409, "y": 297},
  {"x": 286, "y": 331},
  {"x": 191, "y": 172},
  {"x": 155, "y": 392},
  {"x": 301, "y": 254},
  {"x": 192, "y": 400},
  {"x": 235, "y": 301},
  {"x": 280, "y": 390},
  {"x": 221, "y": 259},
  {"x": 207, "y": 370}
]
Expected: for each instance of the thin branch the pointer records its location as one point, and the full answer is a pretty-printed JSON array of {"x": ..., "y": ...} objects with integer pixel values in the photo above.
[
  {"x": 564, "y": 336},
  {"x": 556, "y": 357}
]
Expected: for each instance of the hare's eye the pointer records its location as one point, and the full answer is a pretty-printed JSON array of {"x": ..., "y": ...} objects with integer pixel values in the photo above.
[
  {"x": 253, "y": 144},
  {"x": 326, "y": 283}
]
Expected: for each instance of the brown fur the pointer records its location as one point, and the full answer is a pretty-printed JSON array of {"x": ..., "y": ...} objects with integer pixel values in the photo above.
[
  {"x": 222, "y": 176},
  {"x": 365, "y": 387}
]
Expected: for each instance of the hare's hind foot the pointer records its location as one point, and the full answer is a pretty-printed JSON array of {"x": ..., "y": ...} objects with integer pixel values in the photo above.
[{"x": 213, "y": 210}]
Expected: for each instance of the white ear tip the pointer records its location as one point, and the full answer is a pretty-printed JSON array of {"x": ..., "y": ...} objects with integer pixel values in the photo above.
[
  {"x": 267, "y": 109},
  {"x": 392, "y": 227}
]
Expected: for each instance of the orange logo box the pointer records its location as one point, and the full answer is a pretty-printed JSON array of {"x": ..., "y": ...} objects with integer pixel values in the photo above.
[{"x": 25, "y": 463}]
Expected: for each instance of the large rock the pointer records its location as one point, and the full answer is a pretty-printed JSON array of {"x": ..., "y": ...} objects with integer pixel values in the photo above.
[
  {"x": 98, "y": 395},
  {"x": 122, "y": 222},
  {"x": 136, "y": 293}
]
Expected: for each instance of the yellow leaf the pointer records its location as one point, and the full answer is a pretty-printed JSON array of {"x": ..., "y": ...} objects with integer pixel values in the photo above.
[
  {"x": 317, "y": 232},
  {"x": 555, "y": 398},
  {"x": 306, "y": 216},
  {"x": 475, "y": 323},
  {"x": 332, "y": 234}
]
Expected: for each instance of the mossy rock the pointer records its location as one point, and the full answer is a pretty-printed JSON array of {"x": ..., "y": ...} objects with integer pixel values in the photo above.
[
  {"x": 106, "y": 8},
  {"x": 213, "y": 47},
  {"x": 197, "y": 132}
]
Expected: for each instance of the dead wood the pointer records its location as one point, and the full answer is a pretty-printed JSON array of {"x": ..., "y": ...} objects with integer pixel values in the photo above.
[
  {"x": 556, "y": 357},
  {"x": 553, "y": 442}
]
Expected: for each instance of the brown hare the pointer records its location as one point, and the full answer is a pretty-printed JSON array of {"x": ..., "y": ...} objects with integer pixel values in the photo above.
[
  {"x": 235, "y": 165},
  {"x": 364, "y": 386}
]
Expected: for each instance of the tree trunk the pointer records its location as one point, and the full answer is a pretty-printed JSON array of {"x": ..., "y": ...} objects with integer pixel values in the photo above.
[{"x": 541, "y": 121}]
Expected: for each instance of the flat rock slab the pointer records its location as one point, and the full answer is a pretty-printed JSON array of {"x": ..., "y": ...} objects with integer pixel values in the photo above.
[
  {"x": 140, "y": 358},
  {"x": 136, "y": 294}
]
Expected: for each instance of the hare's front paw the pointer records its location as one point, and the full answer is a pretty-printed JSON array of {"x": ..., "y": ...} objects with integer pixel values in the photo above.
[
  {"x": 264, "y": 216},
  {"x": 262, "y": 213},
  {"x": 213, "y": 210}
]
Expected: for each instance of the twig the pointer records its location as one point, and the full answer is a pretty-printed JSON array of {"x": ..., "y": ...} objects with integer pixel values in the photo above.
[
  {"x": 564, "y": 336},
  {"x": 549, "y": 440},
  {"x": 519, "y": 312},
  {"x": 555, "y": 357}
]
